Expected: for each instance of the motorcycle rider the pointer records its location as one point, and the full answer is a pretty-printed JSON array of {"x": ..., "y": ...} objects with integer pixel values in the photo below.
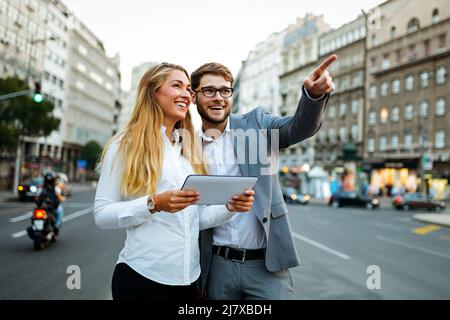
[{"x": 52, "y": 195}]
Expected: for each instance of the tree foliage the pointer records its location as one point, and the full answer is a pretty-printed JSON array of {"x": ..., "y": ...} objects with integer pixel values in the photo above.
[
  {"x": 91, "y": 153},
  {"x": 21, "y": 116}
]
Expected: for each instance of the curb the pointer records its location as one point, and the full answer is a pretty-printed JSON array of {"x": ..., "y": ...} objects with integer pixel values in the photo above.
[{"x": 442, "y": 219}]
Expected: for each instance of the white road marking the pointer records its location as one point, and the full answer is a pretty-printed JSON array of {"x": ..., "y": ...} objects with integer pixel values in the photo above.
[
  {"x": 410, "y": 246},
  {"x": 68, "y": 218},
  {"x": 19, "y": 234},
  {"x": 21, "y": 217},
  {"x": 321, "y": 246},
  {"x": 77, "y": 214}
]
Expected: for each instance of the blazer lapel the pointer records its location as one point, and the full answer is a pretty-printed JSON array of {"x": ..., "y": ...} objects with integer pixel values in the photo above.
[{"x": 239, "y": 122}]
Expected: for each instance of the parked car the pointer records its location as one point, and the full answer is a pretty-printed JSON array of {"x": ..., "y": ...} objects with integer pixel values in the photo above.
[
  {"x": 30, "y": 189},
  {"x": 353, "y": 199},
  {"x": 292, "y": 196},
  {"x": 417, "y": 201}
]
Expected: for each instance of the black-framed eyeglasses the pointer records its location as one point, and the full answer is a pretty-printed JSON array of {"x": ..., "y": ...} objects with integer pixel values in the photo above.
[{"x": 210, "y": 92}]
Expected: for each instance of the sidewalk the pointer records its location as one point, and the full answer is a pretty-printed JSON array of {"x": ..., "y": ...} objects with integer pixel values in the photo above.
[{"x": 8, "y": 196}]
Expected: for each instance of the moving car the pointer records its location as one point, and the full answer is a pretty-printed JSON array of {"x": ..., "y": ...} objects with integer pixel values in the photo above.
[
  {"x": 353, "y": 199},
  {"x": 417, "y": 201},
  {"x": 290, "y": 195},
  {"x": 30, "y": 189}
]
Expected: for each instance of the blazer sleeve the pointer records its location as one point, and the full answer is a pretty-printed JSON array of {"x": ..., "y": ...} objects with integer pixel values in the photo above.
[
  {"x": 110, "y": 212},
  {"x": 305, "y": 122}
]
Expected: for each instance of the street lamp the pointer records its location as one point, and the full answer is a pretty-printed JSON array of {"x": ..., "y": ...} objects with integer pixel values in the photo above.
[{"x": 18, "y": 162}]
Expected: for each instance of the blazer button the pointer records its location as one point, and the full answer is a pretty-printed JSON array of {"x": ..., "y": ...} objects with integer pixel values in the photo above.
[{"x": 264, "y": 220}]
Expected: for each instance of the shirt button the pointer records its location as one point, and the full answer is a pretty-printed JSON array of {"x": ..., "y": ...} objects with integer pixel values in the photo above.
[{"x": 264, "y": 220}]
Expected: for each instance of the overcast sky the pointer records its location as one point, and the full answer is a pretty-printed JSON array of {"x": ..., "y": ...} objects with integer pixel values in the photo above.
[{"x": 193, "y": 32}]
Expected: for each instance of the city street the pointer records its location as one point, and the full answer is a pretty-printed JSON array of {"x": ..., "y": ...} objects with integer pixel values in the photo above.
[{"x": 336, "y": 246}]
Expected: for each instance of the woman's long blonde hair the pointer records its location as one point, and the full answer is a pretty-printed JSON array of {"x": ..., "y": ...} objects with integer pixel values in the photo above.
[{"x": 141, "y": 145}]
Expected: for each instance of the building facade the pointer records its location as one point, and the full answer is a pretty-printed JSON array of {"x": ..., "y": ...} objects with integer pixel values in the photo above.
[
  {"x": 92, "y": 92},
  {"x": 408, "y": 96},
  {"x": 259, "y": 76},
  {"x": 299, "y": 58},
  {"x": 339, "y": 143}
]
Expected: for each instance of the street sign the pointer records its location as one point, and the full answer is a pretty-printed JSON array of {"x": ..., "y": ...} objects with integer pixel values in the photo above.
[
  {"x": 81, "y": 164},
  {"x": 427, "y": 161}
]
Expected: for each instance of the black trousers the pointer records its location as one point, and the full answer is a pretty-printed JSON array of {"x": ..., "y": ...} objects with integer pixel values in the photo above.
[{"x": 127, "y": 284}]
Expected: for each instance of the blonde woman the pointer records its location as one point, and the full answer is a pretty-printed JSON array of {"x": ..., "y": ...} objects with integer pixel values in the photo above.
[{"x": 142, "y": 171}]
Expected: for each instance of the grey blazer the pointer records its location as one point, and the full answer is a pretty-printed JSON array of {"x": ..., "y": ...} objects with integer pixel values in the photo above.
[{"x": 269, "y": 205}]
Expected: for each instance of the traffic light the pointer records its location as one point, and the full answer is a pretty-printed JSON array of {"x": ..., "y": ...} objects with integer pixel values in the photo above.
[{"x": 37, "y": 96}]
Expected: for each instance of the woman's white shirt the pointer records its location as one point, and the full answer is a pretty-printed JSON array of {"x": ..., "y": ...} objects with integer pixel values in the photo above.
[{"x": 162, "y": 246}]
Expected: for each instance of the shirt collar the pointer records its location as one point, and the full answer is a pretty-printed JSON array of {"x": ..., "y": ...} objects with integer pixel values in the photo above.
[
  {"x": 175, "y": 134},
  {"x": 203, "y": 137}
]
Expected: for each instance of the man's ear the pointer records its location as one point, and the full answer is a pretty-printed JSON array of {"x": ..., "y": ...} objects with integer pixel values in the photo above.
[{"x": 193, "y": 97}]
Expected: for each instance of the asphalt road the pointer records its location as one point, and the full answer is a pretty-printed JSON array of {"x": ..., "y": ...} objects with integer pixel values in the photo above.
[
  {"x": 345, "y": 253},
  {"x": 82, "y": 246},
  {"x": 343, "y": 250}
]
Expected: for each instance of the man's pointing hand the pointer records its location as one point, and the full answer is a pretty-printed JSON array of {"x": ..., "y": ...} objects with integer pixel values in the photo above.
[{"x": 319, "y": 81}]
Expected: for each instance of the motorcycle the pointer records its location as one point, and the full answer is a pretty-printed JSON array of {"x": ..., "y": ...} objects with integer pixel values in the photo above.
[{"x": 42, "y": 229}]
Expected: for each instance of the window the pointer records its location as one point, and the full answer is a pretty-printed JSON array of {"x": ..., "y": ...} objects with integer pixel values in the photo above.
[
  {"x": 396, "y": 86},
  {"x": 386, "y": 61},
  {"x": 407, "y": 141},
  {"x": 435, "y": 16},
  {"x": 393, "y": 32},
  {"x": 331, "y": 135},
  {"x": 355, "y": 106},
  {"x": 394, "y": 142},
  {"x": 82, "y": 50},
  {"x": 413, "y": 25},
  {"x": 440, "y": 139},
  {"x": 409, "y": 83},
  {"x": 441, "y": 74},
  {"x": 384, "y": 114},
  {"x": 332, "y": 112},
  {"x": 442, "y": 41},
  {"x": 372, "y": 118},
  {"x": 426, "y": 47},
  {"x": 395, "y": 116},
  {"x": 424, "y": 109},
  {"x": 354, "y": 132},
  {"x": 424, "y": 79},
  {"x": 81, "y": 67},
  {"x": 371, "y": 145},
  {"x": 398, "y": 55},
  {"x": 409, "y": 111},
  {"x": 412, "y": 52},
  {"x": 343, "y": 110},
  {"x": 383, "y": 143},
  {"x": 343, "y": 134},
  {"x": 440, "y": 107},
  {"x": 423, "y": 140},
  {"x": 384, "y": 89},
  {"x": 373, "y": 92}
]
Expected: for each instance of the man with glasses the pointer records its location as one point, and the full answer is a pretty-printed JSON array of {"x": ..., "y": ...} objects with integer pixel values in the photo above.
[{"x": 248, "y": 257}]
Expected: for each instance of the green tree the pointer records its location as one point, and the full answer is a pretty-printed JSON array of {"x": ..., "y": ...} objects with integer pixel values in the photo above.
[
  {"x": 21, "y": 116},
  {"x": 91, "y": 153}
]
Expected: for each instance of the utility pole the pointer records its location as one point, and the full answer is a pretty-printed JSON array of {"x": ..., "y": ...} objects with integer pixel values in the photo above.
[{"x": 18, "y": 162}]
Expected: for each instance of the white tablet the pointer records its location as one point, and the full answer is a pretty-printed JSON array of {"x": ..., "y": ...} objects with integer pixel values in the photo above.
[{"x": 217, "y": 189}]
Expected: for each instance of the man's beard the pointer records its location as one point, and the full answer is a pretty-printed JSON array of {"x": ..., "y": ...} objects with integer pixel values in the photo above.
[{"x": 205, "y": 116}]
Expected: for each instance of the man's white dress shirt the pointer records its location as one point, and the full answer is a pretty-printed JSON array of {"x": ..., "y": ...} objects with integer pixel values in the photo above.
[
  {"x": 243, "y": 230},
  {"x": 162, "y": 246}
]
